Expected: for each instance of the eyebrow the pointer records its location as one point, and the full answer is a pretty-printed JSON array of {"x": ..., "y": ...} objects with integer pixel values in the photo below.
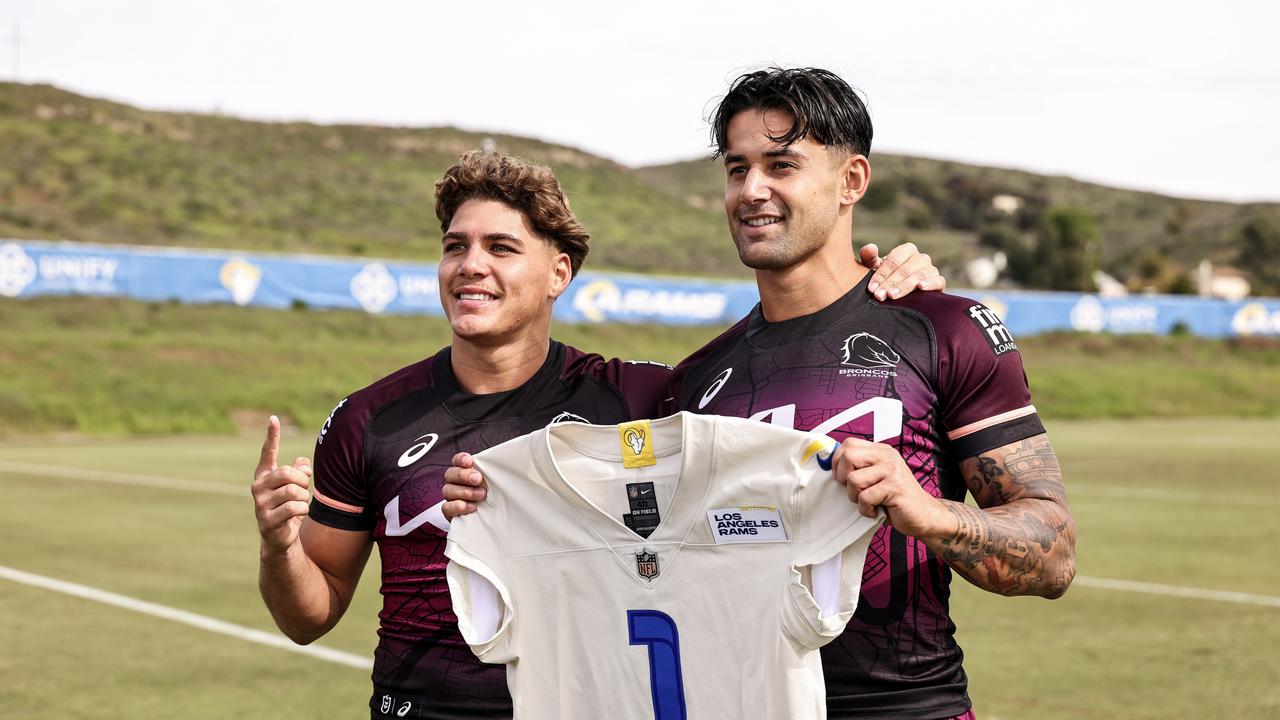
[
  {"x": 785, "y": 151},
  {"x": 506, "y": 237}
]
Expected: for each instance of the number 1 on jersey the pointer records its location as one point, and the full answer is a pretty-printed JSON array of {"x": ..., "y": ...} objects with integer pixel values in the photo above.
[{"x": 666, "y": 681}]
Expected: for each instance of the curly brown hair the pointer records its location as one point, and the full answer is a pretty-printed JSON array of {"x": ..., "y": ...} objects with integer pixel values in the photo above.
[{"x": 524, "y": 186}]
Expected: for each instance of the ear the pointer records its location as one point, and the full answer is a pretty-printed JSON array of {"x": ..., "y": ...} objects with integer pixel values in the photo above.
[
  {"x": 855, "y": 176},
  {"x": 561, "y": 275}
]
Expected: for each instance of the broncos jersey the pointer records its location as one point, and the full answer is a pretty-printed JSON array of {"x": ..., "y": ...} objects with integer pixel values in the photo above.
[
  {"x": 379, "y": 467},
  {"x": 659, "y": 570},
  {"x": 934, "y": 375}
]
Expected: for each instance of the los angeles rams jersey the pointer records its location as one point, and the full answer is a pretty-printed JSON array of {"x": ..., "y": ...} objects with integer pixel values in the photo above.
[{"x": 659, "y": 569}]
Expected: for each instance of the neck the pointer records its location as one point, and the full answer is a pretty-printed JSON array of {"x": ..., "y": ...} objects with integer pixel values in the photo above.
[
  {"x": 482, "y": 369},
  {"x": 811, "y": 284}
]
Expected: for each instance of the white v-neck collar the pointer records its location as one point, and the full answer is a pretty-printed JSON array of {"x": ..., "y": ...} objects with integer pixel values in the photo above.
[{"x": 695, "y": 433}]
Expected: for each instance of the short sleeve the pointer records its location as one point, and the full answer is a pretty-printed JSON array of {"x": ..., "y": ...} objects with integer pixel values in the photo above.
[
  {"x": 830, "y": 548},
  {"x": 984, "y": 398},
  {"x": 479, "y": 583},
  {"x": 341, "y": 489},
  {"x": 639, "y": 382}
]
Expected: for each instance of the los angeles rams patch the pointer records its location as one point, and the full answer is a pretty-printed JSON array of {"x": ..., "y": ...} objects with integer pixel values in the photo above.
[{"x": 756, "y": 523}]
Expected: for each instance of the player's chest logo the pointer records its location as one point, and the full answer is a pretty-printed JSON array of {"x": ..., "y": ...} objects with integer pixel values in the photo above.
[
  {"x": 414, "y": 481},
  {"x": 396, "y": 528},
  {"x": 421, "y": 446},
  {"x": 866, "y": 355},
  {"x": 716, "y": 386},
  {"x": 647, "y": 564}
]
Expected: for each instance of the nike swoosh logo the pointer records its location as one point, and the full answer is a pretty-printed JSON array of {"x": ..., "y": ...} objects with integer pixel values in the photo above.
[
  {"x": 825, "y": 462},
  {"x": 815, "y": 449},
  {"x": 646, "y": 492}
]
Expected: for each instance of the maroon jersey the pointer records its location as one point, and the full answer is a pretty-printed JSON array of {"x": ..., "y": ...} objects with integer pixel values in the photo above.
[
  {"x": 938, "y": 377},
  {"x": 379, "y": 467}
]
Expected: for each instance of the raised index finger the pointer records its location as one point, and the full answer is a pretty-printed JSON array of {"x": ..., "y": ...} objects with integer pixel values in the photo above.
[{"x": 270, "y": 446}]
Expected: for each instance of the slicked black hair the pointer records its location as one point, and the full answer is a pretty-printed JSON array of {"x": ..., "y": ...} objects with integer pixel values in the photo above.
[{"x": 823, "y": 106}]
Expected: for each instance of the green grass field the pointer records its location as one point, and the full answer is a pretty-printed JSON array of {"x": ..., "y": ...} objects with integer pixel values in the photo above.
[
  {"x": 1186, "y": 503},
  {"x": 109, "y": 366}
]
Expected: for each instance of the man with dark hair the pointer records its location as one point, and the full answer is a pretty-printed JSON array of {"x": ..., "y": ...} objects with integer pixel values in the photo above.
[
  {"x": 919, "y": 380},
  {"x": 510, "y": 247},
  {"x": 926, "y": 393}
]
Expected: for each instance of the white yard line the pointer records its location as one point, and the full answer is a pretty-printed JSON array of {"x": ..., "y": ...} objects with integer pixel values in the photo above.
[
  {"x": 71, "y": 473},
  {"x": 1133, "y": 493},
  {"x": 186, "y": 618},
  {"x": 1178, "y": 591}
]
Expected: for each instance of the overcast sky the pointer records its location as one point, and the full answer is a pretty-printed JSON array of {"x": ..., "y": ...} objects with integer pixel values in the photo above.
[{"x": 1177, "y": 97}]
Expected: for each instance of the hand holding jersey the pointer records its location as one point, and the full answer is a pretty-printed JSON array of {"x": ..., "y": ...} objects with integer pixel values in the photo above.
[
  {"x": 878, "y": 480},
  {"x": 699, "y": 565}
]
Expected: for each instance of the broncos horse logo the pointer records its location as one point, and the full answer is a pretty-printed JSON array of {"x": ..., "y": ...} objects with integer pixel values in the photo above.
[{"x": 868, "y": 351}]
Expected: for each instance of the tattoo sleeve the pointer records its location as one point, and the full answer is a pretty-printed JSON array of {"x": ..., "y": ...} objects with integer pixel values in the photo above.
[{"x": 1022, "y": 540}]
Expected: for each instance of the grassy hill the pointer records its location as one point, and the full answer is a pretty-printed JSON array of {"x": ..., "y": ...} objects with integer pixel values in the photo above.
[
  {"x": 84, "y": 169},
  {"x": 79, "y": 168}
]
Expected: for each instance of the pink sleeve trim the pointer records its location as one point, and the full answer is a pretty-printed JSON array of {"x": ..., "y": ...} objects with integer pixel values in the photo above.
[
  {"x": 974, "y": 427},
  {"x": 337, "y": 505}
]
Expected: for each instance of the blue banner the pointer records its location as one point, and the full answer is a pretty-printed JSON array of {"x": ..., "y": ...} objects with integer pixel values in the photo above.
[{"x": 31, "y": 268}]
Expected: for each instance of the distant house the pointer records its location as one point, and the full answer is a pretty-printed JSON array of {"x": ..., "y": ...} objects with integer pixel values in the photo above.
[
  {"x": 1108, "y": 286},
  {"x": 1227, "y": 283},
  {"x": 1006, "y": 204}
]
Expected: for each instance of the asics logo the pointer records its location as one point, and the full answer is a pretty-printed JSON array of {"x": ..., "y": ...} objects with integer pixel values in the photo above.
[
  {"x": 412, "y": 455},
  {"x": 716, "y": 385}
]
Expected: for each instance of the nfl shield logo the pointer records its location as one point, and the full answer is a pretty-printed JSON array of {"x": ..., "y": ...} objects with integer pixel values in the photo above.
[
  {"x": 647, "y": 565},
  {"x": 633, "y": 492}
]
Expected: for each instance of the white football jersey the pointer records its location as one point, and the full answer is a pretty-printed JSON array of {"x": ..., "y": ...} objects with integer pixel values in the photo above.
[{"x": 688, "y": 567}]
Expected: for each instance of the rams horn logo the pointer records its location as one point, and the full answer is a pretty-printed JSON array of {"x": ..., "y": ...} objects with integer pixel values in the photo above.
[
  {"x": 868, "y": 351},
  {"x": 635, "y": 438}
]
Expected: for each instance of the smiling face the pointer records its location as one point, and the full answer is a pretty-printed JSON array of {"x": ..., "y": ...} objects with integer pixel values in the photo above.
[
  {"x": 782, "y": 201},
  {"x": 498, "y": 277}
]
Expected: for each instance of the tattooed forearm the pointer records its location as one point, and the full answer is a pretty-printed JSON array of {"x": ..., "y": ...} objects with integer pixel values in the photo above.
[{"x": 1022, "y": 541}]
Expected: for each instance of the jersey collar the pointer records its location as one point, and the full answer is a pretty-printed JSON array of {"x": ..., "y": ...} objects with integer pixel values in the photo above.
[
  {"x": 503, "y": 405},
  {"x": 762, "y": 333},
  {"x": 695, "y": 435}
]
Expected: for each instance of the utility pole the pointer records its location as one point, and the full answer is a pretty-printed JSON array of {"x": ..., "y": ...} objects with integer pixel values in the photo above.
[{"x": 17, "y": 41}]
